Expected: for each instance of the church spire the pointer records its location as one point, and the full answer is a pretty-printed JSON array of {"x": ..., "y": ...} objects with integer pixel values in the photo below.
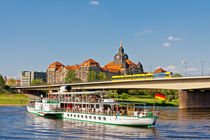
[
  {"x": 121, "y": 44},
  {"x": 121, "y": 50}
]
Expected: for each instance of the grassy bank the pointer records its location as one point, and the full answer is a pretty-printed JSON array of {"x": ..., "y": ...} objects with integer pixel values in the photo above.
[{"x": 12, "y": 98}]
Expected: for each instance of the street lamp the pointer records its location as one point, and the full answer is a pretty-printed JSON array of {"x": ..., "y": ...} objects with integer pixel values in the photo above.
[
  {"x": 201, "y": 67},
  {"x": 150, "y": 68},
  {"x": 185, "y": 69}
]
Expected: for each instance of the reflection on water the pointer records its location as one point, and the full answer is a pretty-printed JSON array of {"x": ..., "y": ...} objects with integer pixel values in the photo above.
[{"x": 16, "y": 123}]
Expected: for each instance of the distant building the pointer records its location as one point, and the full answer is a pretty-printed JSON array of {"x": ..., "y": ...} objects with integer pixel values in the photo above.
[
  {"x": 123, "y": 65},
  {"x": 16, "y": 83},
  {"x": 56, "y": 72},
  {"x": 159, "y": 70},
  {"x": 27, "y": 77}
]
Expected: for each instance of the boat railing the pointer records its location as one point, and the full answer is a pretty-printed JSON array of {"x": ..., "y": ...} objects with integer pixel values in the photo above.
[
  {"x": 77, "y": 100},
  {"x": 108, "y": 112}
]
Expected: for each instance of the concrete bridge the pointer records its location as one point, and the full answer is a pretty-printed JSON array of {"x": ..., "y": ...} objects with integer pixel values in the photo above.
[{"x": 194, "y": 92}]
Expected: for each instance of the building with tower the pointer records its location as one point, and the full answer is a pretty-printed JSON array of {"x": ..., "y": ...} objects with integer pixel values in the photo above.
[{"x": 121, "y": 65}]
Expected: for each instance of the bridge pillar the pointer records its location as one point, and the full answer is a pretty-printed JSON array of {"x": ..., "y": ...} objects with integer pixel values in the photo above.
[{"x": 194, "y": 99}]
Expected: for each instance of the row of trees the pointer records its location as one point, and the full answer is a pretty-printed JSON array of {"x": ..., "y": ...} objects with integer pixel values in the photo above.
[
  {"x": 124, "y": 94},
  {"x": 92, "y": 76},
  {"x": 36, "y": 82}
]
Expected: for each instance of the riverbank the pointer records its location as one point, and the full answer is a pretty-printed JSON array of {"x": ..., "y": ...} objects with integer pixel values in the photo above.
[
  {"x": 16, "y": 99},
  {"x": 11, "y": 98}
]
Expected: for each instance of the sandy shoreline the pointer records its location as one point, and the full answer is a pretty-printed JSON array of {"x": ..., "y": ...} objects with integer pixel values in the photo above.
[{"x": 5, "y": 105}]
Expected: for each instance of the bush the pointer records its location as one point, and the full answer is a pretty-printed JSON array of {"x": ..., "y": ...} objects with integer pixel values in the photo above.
[
  {"x": 110, "y": 95},
  {"x": 124, "y": 96}
]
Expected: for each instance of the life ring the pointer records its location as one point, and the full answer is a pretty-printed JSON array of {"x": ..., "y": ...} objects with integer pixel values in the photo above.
[
  {"x": 41, "y": 107},
  {"x": 51, "y": 107}
]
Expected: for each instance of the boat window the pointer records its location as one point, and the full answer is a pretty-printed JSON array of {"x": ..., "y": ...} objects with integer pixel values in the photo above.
[
  {"x": 86, "y": 116},
  {"x": 94, "y": 117},
  {"x": 84, "y": 105},
  {"x": 74, "y": 115},
  {"x": 77, "y": 116},
  {"x": 97, "y": 106},
  {"x": 90, "y": 117},
  {"x": 99, "y": 118},
  {"x": 68, "y": 115},
  {"x": 92, "y": 106},
  {"x": 81, "y": 116},
  {"x": 104, "y": 118},
  {"x": 71, "y": 115}
]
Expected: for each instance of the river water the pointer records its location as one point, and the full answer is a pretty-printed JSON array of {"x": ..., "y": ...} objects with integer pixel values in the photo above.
[{"x": 16, "y": 123}]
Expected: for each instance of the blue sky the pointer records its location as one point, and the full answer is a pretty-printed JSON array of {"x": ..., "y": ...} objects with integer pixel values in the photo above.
[{"x": 158, "y": 33}]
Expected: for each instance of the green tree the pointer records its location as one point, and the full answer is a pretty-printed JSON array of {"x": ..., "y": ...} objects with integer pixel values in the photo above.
[
  {"x": 36, "y": 82},
  {"x": 92, "y": 76},
  {"x": 124, "y": 96},
  {"x": 177, "y": 75},
  {"x": 71, "y": 77},
  {"x": 102, "y": 76},
  {"x": 11, "y": 82},
  {"x": 2, "y": 82}
]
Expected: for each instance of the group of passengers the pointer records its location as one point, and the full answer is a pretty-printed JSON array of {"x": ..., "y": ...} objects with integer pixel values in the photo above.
[
  {"x": 105, "y": 110},
  {"x": 80, "y": 98}
]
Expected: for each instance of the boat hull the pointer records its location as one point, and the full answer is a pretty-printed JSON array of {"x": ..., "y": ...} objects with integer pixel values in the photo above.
[
  {"x": 112, "y": 120},
  {"x": 94, "y": 118}
]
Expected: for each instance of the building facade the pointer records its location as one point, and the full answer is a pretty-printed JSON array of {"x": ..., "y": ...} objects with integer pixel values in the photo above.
[
  {"x": 56, "y": 72},
  {"x": 27, "y": 77},
  {"x": 123, "y": 65}
]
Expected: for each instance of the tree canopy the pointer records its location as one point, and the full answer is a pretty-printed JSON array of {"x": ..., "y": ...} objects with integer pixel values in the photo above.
[
  {"x": 36, "y": 82},
  {"x": 11, "y": 82},
  {"x": 177, "y": 75},
  {"x": 2, "y": 82},
  {"x": 71, "y": 77},
  {"x": 102, "y": 76},
  {"x": 94, "y": 76}
]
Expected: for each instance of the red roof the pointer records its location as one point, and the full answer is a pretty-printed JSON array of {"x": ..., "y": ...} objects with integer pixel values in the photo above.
[
  {"x": 74, "y": 67},
  {"x": 117, "y": 67},
  {"x": 111, "y": 67},
  {"x": 90, "y": 62},
  {"x": 55, "y": 65},
  {"x": 159, "y": 70},
  {"x": 130, "y": 63}
]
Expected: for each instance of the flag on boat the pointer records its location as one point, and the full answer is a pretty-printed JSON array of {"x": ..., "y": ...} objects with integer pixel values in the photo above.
[{"x": 160, "y": 96}]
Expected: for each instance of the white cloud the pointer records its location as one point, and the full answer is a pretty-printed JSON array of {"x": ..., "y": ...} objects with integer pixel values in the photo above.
[
  {"x": 183, "y": 62},
  {"x": 143, "y": 32},
  {"x": 171, "y": 68},
  {"x": 172, "y": 38},
  {"x": 166, "y": 44},
  {"x": 92, "y": 2},
  {"x": 191, "y": 70}
]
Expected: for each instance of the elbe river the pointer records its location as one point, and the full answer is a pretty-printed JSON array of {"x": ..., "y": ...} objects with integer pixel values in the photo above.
[{"x": 17, "y": 123}]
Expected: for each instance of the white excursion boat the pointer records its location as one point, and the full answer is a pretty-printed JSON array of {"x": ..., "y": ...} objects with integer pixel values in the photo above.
[{"x": 93, "y": 106}]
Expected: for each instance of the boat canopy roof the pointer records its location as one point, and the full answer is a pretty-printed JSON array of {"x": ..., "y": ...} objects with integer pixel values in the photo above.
[
  {"x": 110, "y": 103},
  {"x": 82, "y": 93}
]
